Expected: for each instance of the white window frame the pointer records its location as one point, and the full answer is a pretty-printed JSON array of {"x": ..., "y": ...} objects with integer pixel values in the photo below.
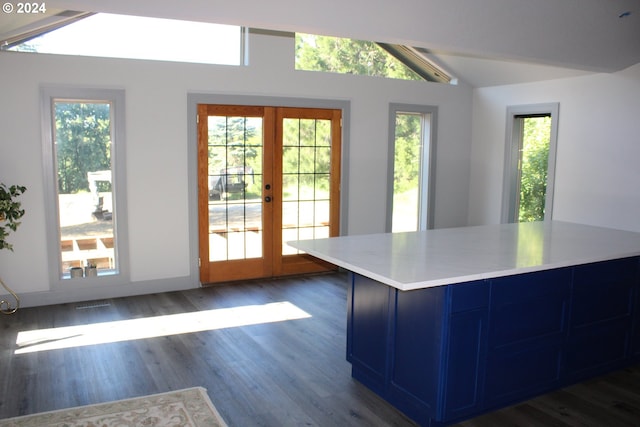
[
  {"x": 116, "y": 97},
  {"x": 426, "y": 204},
  {"x": 511, "y": 158}
]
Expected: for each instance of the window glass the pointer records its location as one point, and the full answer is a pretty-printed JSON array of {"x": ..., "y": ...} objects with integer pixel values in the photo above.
[
  {"x": 406, "y": 172},
  {"x": 306, "y": 179},
  {"x": 534, "y": 160},
  {"x": 412, "y": 168},
  {"x": 83, "y": 152},
  {"x": 346, "y": 56},
  {"x": 121, "y": 36},
  {"x": 235, "y": 158}
]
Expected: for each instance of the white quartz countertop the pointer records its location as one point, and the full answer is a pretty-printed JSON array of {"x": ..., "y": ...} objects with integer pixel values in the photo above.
[{"x": 454, "y": 255}]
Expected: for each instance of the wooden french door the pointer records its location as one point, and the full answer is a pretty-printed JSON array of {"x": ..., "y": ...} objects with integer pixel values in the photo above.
[{"x": 266, "y": 175}]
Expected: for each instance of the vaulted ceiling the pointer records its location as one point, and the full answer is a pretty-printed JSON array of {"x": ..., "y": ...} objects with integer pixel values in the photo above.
[{"x": 483, "y": 42}]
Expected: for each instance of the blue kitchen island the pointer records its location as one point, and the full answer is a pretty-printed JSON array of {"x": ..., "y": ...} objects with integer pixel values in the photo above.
[{"x": 448, "y": 324}]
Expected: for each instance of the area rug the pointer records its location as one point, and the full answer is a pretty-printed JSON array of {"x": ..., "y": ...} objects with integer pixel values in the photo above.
[{"x": 182, "y": 408}]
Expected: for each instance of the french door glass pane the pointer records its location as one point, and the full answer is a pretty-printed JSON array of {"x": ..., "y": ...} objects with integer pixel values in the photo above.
[
  {"x": 306, "y": 169},
  {"x": 235, "y": 187},
  {"x": 83, "y": 146}
]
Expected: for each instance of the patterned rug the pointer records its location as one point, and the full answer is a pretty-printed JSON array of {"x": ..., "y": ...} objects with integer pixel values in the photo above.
[{"x": 183, "y": 408}]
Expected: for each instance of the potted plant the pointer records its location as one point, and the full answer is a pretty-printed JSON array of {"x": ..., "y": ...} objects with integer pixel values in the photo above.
[{"x": 10, "y": 213}]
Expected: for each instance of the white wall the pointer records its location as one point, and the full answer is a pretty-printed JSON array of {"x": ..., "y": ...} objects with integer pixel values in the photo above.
[
  {"x": 598, "y": 166},
  {"x": 157, "y": 151}
]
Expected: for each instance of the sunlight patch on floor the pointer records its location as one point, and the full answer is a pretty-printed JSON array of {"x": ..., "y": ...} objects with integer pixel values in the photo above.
[{"x": 159, "y": 326}]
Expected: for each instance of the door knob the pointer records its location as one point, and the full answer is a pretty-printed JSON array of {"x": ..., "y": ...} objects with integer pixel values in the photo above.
[{"x": 267, "y": 199}]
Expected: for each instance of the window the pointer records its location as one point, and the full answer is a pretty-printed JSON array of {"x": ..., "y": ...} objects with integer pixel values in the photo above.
[
  {"x": 85, "y": 174},
  {"x": 346, "y": 56},
  {"x": 530, "y": 163},
  {"x": 412, "y": 168},
  {"x": 136, "y": 37}
]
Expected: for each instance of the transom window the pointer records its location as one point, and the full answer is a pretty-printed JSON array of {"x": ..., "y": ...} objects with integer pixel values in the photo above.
[
  {"x": 121, "y": 36},
  {"x": 348, "y": 56}
]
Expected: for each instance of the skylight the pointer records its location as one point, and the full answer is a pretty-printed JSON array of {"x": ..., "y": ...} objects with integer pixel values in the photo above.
[{"x": 120, "y": 36}]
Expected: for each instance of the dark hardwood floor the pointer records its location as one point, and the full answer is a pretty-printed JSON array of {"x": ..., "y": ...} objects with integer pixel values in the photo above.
[{"x": 284, "y": 373}]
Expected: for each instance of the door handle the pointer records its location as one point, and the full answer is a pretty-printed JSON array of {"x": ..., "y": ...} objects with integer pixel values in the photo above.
[{"x": 267, "y": 199}]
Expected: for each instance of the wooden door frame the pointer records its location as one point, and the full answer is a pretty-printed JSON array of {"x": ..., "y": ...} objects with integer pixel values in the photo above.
[
  {"x": 196, "y": 98},
  {"x": 235, "y": 269},
  {"x": 304, "y": 263}
]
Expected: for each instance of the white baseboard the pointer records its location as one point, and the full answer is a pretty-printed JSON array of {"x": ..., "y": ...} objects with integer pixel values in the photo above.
[{"x": 36, "y": 299}]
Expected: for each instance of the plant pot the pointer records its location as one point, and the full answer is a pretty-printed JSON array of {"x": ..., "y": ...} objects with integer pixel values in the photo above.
[{"x": 75, "y": 272}]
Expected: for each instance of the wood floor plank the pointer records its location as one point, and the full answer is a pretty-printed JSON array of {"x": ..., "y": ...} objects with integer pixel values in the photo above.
[{"x": 286, "y": 373}]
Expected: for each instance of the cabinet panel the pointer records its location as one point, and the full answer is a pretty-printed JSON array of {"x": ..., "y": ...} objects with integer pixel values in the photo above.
[
  {"x": 597, "y": 349},
  {"x": 602, "y": 291},
  {"x": 469, "y": 296},
  {"x": 368, "y": 327},
  {"x": 466, "y": 363},
  {"x": 427, "y": 380},
  {"x": 636, "y": 314},
  {"x": 537, "y": 318},
  {"x": 601, "y": 316},
  {"x": 529, "y": 307},
  {"x": 528, "y": 324},
  {"x": 524, "y": 372},
  {"x": 417, "y": 342}
]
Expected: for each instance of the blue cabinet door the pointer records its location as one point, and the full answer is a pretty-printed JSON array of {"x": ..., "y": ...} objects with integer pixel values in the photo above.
[
  {"x": 635, "y": 340},
  {"x": 368, "y": 331},
  {"x": 526, "y": 334},
  {"x": 601, "y": 317},
  {"x": 438, "y": 345},
  {"x": 416, "y": 344},
  {"x": 463, "y": 394},
  {"x": 465, "y": 358}
]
